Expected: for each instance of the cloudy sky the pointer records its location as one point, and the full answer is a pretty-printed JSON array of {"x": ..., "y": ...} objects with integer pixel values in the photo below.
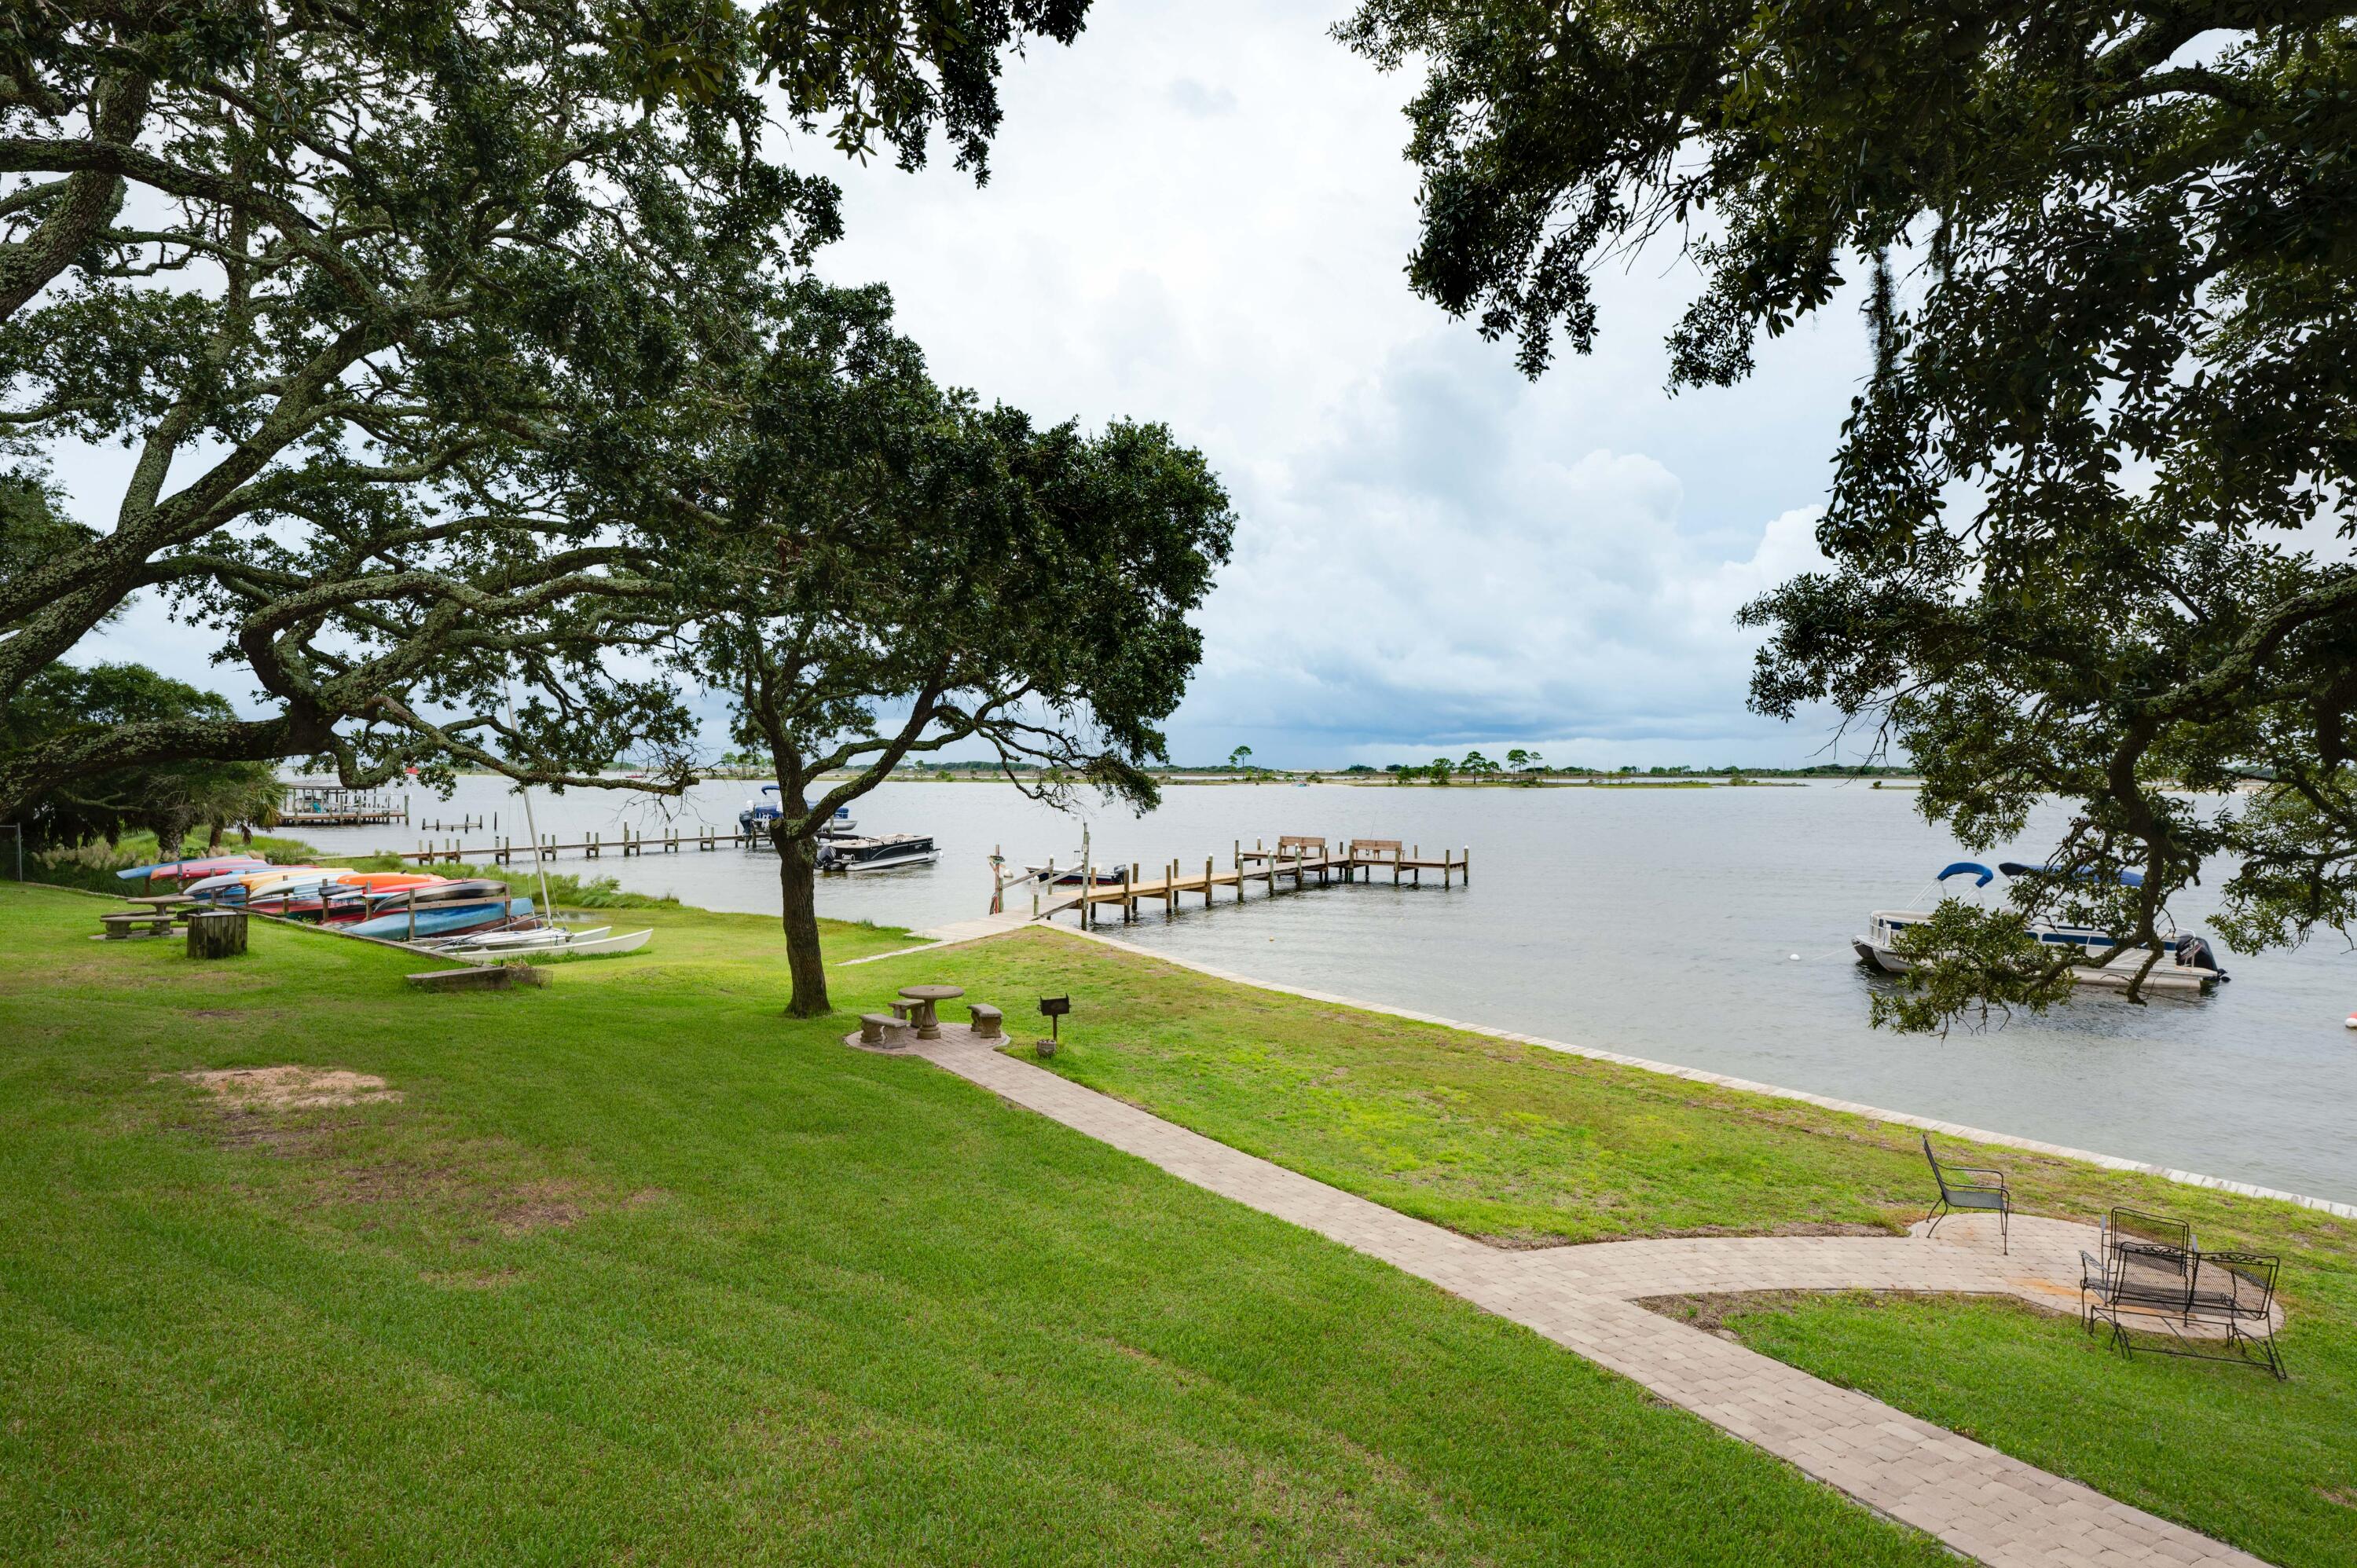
[{"x": 1198, "y": 214}]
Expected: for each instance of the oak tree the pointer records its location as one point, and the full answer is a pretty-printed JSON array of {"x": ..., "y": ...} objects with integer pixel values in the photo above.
[{"x": 2087, "y": 516}]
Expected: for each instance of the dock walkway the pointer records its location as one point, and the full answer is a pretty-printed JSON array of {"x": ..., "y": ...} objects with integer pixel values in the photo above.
[{"x": 1302, "y": 858}]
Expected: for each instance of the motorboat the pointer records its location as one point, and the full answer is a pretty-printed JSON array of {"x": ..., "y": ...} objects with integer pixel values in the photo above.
[
  {"x": 754, "y": 820},
  {"x": 1072, "y": 875},
  {"x": 2187, "y": 963},
  {"x": 888, "y": 852}
]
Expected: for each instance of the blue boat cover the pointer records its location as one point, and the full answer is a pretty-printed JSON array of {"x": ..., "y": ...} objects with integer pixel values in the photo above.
[
  {"x": 1982, "y": 874},
  {"x": 2015, "y": 868}
]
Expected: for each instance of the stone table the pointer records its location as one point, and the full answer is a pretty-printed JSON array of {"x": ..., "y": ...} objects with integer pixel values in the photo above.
[{"x": 926, "y": 997}]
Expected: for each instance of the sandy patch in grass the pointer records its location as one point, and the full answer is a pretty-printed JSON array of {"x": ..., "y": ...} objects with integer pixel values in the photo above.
[{"x": 292, "y": 1088}]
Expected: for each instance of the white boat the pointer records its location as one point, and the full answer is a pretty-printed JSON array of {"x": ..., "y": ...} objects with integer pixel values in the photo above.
[
  {"x": 2187, "y": 962},
  {"x": 1068, "y": 875},
  {"x": 558, "y": 943},
  {"x": 537, "y": 937}
]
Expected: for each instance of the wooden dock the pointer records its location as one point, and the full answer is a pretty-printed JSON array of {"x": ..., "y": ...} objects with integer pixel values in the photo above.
[
  {"x": 325, "y": 806},
  {"x": 595, "y": 846},
  {"x": 1299, "y": 857}
]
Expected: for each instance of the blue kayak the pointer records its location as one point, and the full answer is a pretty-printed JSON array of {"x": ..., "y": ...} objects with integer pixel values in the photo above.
[{"x": 441, "y": 919}]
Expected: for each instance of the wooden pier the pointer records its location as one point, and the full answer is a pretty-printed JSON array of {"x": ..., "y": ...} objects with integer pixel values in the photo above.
[
  {"x": 321, "y": 805},
  {"x": 1300, "y": 857},
  {"x": 507, "y": 852}
]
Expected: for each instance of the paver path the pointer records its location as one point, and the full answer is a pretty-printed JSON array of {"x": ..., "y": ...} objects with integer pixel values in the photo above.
[{"x": 1971, "y": 1497}]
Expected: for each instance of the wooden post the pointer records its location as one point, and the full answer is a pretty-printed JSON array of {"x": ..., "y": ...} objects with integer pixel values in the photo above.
[
  {"x": 1416, "y": 852},
  {"x": 1128, "y": 895},
  {"x": 1466, "y": 865},
  {"x": 220, "y": 933},
  {"x": 413, "y": 915},
  {"x": 1207, "y": 881}
]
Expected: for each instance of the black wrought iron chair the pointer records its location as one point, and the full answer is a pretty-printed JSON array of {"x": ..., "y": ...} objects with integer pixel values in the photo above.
[
  {"x": 1970, "y": 1197},
  {"x": 2230, "y": 1294}
]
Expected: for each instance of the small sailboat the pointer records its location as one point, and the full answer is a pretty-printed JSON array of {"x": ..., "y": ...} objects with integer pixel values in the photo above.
[
  {"x": 595, "y": 942},
  {"x": 2187, "y": 963}
]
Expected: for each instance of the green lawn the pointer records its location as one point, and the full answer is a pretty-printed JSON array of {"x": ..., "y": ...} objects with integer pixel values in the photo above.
[
  {"x": 1525, "y": 1146},
  {"x": 639, "y": 1270},
  {"x": 2272, "y": 1467}
]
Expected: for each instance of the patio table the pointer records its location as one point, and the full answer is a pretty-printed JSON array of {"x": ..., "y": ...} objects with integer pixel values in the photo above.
[{"x": 928, "y": 1024}]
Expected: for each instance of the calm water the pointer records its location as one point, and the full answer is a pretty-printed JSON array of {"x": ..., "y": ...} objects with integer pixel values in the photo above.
[{"x": 1707, "y": 927}]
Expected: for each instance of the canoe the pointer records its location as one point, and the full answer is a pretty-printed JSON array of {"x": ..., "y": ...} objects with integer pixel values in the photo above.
[{"x": 441, "y": 919}]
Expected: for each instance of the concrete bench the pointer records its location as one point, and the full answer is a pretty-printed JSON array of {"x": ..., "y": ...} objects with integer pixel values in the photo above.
[
  {"x": 120, "y": 924},
  {"x": 883, "y": 1029},
  {"x": 985, "y": 1021},
  {"x": 903, "y": 1010},
  {"x": 478, "y": 977}
]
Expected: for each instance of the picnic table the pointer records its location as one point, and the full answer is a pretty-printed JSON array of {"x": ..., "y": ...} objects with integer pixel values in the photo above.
[{"x": 926, "y": 997}]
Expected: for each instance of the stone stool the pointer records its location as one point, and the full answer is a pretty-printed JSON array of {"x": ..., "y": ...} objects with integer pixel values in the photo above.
[
  {"x": 883, "y": 1029},
  {"x": 985, "y": 1021},
  {"x": 905, "y": 1010}
]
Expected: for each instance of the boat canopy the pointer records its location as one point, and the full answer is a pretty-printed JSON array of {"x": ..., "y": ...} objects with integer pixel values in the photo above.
[
  {"x": 2016, "y": 868},
  {"x": 1982, "y": 874}
]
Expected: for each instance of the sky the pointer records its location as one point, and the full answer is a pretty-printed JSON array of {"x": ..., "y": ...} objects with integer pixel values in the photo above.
[{"x": 1199, "y": 214}]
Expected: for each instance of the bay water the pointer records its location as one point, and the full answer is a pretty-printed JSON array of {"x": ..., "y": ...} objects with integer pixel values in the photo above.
[{"x": 1709, "y": 928}]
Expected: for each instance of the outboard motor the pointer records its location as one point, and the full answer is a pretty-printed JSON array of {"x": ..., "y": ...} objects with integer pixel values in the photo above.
[{"x": 2193, "y": 951}]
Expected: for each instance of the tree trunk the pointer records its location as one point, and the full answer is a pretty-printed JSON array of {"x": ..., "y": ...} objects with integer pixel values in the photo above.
[
  {"x": 798, "y": 878},
  {"x": 217, "y": 933}
]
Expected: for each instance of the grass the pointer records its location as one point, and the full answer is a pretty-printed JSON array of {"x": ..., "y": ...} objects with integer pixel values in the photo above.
[
  {"x": 1524, "y": 1147},
  {"x": 639, "y": 1269},
  {"x": 2271, "y": 1467}
]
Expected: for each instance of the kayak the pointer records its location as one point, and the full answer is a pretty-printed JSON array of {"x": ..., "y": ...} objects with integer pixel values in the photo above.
[
  {"x": 441, "y": 919},
  {"x": 441, "y": 893},
  {"x": 390, "y": 881},
  {"x": 174, "y": 868}
]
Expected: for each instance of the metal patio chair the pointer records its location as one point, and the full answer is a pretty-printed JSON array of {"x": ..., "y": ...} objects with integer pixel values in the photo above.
[
  {"x": 2230, "y": 1293},
  {"x": 1970, "y": 1197}
]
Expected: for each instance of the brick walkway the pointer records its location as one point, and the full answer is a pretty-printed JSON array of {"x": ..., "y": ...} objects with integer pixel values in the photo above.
[{"x": 1971, "y": 1497}]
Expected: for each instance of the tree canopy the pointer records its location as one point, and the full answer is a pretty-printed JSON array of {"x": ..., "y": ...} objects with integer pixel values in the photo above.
[
  {"x": 2083, "y": 517},
  {"x": 350, "y": 281},
  {"x": 877, "y": 568},
  {"x": 166, "y": 799}
]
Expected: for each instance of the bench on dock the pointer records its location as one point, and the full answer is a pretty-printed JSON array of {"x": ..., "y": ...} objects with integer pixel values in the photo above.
[{"x": 1299, "y": 844}]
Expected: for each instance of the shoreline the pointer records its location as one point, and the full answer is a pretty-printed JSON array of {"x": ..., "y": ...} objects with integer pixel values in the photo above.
[
  {"x": 967, "y": 933},
  {"x": 1724, "y": 1080}
]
